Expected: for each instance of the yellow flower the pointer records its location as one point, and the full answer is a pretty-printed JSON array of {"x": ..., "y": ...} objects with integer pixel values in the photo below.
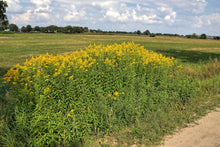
[
  {"x": 123, "y": 93},
  {"x": 109, "y": 95},
  {"x": 68, "y": 115},
  {"x": 4, "y": 82},
  {"x": 114, "y": 98},
  {"x": 46, "y": 90},
  {"x": 55, "y": 74},
  {"x": 14, "y": 83},
  {"x": 116, "y": 93},
  {"x": 72, "y": 111},
  {"x": 180, "y": 66},
  {"x": 71, "y": 77}
]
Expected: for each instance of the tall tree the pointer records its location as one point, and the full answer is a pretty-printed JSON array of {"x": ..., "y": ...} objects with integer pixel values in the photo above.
[
  {"x": 203, "y": 36},
  {"x": 36, "y": 29},
  {"x": 3, "y": 17},
  {"x": 86, "y": 29},
  {"x": 28, "y": 28},
  {"x": 13, "y": 27},
  {"x": 138, "y": 32},
  {"x": 147, "y": 32},
  {"x": 68, "y": 29},
  {"x": 23, "y": 29},
  {"x": 52, "y": 28}
]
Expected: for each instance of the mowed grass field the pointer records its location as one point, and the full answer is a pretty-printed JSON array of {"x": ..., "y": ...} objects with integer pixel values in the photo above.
[{"x": 16, "y": 48}]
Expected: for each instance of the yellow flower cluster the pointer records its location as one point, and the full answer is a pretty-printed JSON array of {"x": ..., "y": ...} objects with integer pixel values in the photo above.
[
  {"x": 115, "y": 95},
  {"x": 49, "y": 67},
  {"x": 71, "y": 112}
]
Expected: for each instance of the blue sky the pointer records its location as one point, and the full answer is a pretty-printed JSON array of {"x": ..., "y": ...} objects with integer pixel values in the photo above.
[{"x": 158, "y": 16}]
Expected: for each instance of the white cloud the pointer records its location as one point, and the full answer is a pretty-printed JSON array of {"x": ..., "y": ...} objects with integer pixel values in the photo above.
[
  {"x": 21, "y": 18},
  {"x": 74, "y": 15},
  {"x": 207, "y": 20},
  {"x": 114, "y": 15},
  {"x": 41, "y": 2},
  {"x": 144, "y": 18},
  {"x": 128, "y": 15},
  {"x": 170, "y": 15},
  {"x": 14, "y": 6},
  {"x": 42, "y": 9}
]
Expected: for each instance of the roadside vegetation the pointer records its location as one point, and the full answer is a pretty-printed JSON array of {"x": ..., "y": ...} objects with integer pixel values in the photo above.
[{"x": 120, "y": 91}]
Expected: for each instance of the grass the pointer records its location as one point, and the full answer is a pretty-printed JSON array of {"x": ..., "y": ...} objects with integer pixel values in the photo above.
[
  {"x": 200, "y": 59},
  {"x": 16, "y": 48}
]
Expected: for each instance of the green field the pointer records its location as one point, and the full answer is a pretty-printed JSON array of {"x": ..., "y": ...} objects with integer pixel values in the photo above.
[
  {"x": 135, "y": 103},
  {"x": 16, "y": 48}
]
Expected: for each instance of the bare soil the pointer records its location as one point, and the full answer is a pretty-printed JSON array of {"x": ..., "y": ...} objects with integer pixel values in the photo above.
[{"x": 205, "y": 133}]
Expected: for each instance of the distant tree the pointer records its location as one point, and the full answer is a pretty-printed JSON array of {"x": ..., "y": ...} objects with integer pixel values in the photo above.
[
  {"x": 92, "y": 31},
  {"x": 152, "y": 35},
  {"x": 60, "y": 29},
  {"x": 78, "y": 30},
  {"x": 99, "y": 31},
  {"x": 138, "y": 32},
  {"x": 13, "y": 27},
  {"x": 85, "y": 29},
  {"x": 159, "y": 34},
  {"x": 68, "y": 29},
  {"x": 216, "y": 37},
  {"x": 43, "y": 30},
  {"x": 147, "y": 32},
  {"x": 52, "y": 28},
  {"x": 194, "y": 36},
  {"x": 23, "y": 29},
  {"x": 36, "y": 29},
  {"x": 188, "y": 36},
  {"x": 203, "y": 36},
  {"x": 3, "y": 17},
  {"x": 28, "y": 28}
]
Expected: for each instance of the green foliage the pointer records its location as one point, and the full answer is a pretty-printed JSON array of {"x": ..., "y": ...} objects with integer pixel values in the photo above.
[
  {"x": 152, "y": 35},
  {"x": 157, "y": 112},
  {"x": 138, "y": 32},
  {"x": 203, "y": 36},
  {"x": 23, "y": 29},
  {"x": 36, "y": 29},
  {"x": 3, "y": 17},
  {"x": 147, "y": 32},
  {"x": 62, "y": 100},
  {"x": 6, "y": 32},
  {"x": 13, "y": 27},
  {"x": 28, "y": 28}
]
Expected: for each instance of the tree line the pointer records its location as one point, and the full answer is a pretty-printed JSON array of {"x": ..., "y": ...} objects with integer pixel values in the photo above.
[
  {"x": 48, "y": 29},
  {"x": 79, "y": 29},
  {"x": 70, "y": 29}
]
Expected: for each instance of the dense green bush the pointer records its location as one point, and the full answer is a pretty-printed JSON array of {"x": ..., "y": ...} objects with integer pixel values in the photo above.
[
  {"x": 6, "y": 32},
  {"x": 64, "y": 99}
]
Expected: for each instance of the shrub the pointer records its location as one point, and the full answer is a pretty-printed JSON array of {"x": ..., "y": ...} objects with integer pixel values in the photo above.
[
  {"x": 63, "y": 99},
  {"x": 6, "y": 32},
  {"x": 152, "y": 35}
]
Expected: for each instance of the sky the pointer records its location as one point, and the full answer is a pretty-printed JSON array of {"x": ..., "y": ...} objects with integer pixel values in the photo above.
[{"x": 159, "y": 16}]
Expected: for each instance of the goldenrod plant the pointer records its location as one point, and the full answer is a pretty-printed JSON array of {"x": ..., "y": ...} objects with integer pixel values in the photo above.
[{"x": 65, "y": 99}]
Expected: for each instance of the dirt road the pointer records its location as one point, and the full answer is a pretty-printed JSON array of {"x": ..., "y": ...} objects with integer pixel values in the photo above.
[{"x": 205, "y": 134}]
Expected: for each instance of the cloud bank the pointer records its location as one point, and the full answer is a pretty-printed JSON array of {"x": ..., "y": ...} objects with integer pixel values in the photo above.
[{"x": 165, "y": 16}]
